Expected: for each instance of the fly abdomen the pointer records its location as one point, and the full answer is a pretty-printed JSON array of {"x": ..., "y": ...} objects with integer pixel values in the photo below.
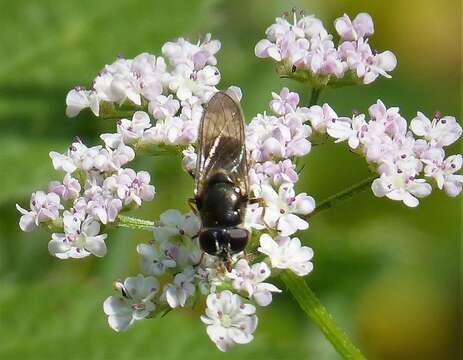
[{"x": 221, "y": 205}]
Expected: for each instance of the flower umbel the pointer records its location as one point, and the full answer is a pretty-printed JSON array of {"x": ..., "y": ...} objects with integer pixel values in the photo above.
[{"x": 157, "y": 102}]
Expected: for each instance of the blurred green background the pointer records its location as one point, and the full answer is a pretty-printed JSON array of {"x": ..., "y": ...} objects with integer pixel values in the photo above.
[{"x": 389, "y": 274}]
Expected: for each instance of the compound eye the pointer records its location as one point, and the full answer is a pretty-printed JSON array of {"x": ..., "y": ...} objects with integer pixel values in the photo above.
[
  {"x": 208, "y": 241},
  {"x": 238, "y": 239}
]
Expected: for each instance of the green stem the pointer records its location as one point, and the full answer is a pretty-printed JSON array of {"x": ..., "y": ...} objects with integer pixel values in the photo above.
[
  {"x": 320, "y": 316},
  {"x": 134, "y": 223},
  {"x": 346, "y": 194},
  {"x": 314, "y": 96}
]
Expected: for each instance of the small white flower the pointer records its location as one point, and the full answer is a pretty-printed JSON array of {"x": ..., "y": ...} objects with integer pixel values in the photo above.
[
  {"x": 346, "y": 129},
  {"x": 269, "y": 137},
  {"x": 284, "y": 102},
  {"x": 103, "y": 208},
  {"x": 130, "y": 186},
  {"x": 287, "y": 253},
  {"x": 118, "y": 82},
  {"x": 264, "y": 48},
  {"x": 443, "y": 171},
  {"x": 250, "y": 279},
  {"x": 134, "y": 303},
  {"x": 228, "y": 320},
  {"x": 189, "y": 159},
  {"x": 193, "y": 55},
  {"x": 78, "y": 99},
  {"x": 397, "y": 184},
  {"x": 281, "y": 207},
  {"x": 253, "y": 218},
  {"x": 174, "y": 223},
  {"x": 132, "y": 130},
  {"x": 321, "y": 116},
  {"x": 154, "y": 260},
  {"x": 62, "y": 162},
  {"x": 235, "y": 92},
  {"x": 364, "y": 62},
  {"x": 44, "y": 207},
  {"x": 177, "y": 292},
  {"x": 163, "y": 107},
  {"x": 186, "y": 82},
  {"x": 362, "y": 26},
  {"x": 80, "y": 238},
  {"x": 439, "y": 132},
  {"x": 68, "y": 189},
  {"x": 272, "y": 173}
]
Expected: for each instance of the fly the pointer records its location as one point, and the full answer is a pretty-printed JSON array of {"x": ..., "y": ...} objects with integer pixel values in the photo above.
[{"x": 221, "y": 179}]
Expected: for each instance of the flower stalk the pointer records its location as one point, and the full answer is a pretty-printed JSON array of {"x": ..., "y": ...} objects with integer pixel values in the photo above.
[
  {"x": 314, "y": 96},
  {"x": 343, "y": 195},
  {"x": 320, "y": 316},
  {"x": 134, "y": 223}
]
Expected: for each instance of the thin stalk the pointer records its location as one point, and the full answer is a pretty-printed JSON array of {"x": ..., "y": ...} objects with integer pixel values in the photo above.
[
  {"x": 344, "y": 195},
  {"x": 314, "y": 309},
  {"x": 314, "y": 96},
  {"x": 134, "y": 223}
]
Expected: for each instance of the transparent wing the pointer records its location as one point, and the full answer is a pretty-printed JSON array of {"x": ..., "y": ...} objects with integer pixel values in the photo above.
[{"x": 222, "y": 143}]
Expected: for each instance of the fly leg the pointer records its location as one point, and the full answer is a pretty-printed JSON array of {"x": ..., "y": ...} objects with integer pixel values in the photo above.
[
  {"x": 227, "y": 262},
  {"x": 200, "y": 260},
  {"x": 192, "y": 205},
  {"x": 259, "y": 201}
]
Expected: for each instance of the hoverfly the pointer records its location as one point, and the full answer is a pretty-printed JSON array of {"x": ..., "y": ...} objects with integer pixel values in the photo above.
[{"x": 221, "y": 179}]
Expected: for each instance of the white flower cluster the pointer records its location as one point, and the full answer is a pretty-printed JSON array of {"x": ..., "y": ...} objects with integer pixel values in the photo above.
[
  {"x": 305, "y": 47},
  {"x": 176, "y": 261},
  {"x": 172, "y": 90},
  {"x": 158, "y": 102},
  {"x": 273, "y": 142},
  {"x": 95, "y": 188},
  {"x": 399, "y": 153},
  {"x": 176, "y": 273}
]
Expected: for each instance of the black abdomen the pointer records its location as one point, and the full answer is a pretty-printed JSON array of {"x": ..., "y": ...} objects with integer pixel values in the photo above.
[{"x": 221, "y": 204}]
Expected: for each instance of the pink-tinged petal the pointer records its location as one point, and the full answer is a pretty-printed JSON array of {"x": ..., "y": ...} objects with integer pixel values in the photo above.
[
  {"x": 302, "y": 269},
  {"x": 420, "y": 125},
  {"x": 304, "y": 204},
  {"x": 261, "y": 47},
  {"x": 263, "y": 298},
  {"x": 76, "y": 100},
  {"x": 353, "y": 141},
  {"x": 114, "y": 305},
  {"x": 379, "y": 187},
  {"x": 120, "y": 322},
  {"x": 453, "y": 185},
  {"x": 397, "y": 194},
  {"x": 420, "y": 189},
  {"x": 57, "y": 245},
  {"x": 290, "y": 223},
  {"x": 369, "y": 77},
  {"x": 239, "y": 336},
  {"x": 343, "y": 26},
  {"x": 340, "y": 129},
  {"x": 27, "y": 222},
  {"x": 96, "y": 245},
  {"x": 410, "y": 200},
  {"x": 363, "y": 24},
  {"x": 220, "y": 337},
  {"x": 267, "y": 245},
  {"x": 386, "y": 60}
]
